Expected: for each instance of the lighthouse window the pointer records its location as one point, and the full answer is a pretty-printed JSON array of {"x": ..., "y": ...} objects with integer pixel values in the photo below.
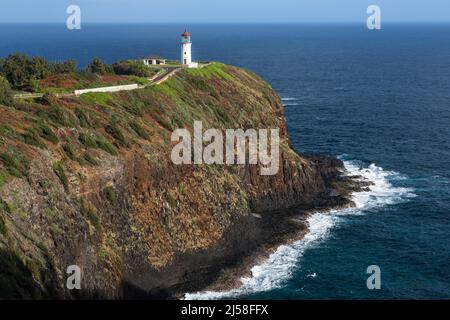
[{"x": 185, "y": 53}]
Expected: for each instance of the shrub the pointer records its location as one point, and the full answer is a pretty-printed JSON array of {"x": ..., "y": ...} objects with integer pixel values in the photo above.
[
  {"x": 16, "y": 68},
  {"x": 3, "y": 176},
  {"x": 86, "y": 118},
  {"x": 99, "y": 67},
  {"x": 15, "y": 163},
  {"x": 96, "y": 141},
  {"x": 132, "y": 68},
  {"x": 6, "y": 96},
  {"x": 105, "y": 145},
  {"x": 88, "y": 158},
  {"x": 116, "y": 133},
  {"x": 89, "y": 140},
  {"x": 4, "y": 206},
  {"x": 110, "y": 194},
  {"x": 23, "y": 72},
  {"x": 69, "y": 150},
  {"x": 47, "y": 133},
  {"x": 59, "y": 171},
  {"x": 135, "y": 108},
  {"x": 31, "y": 137},
  {"x": 136, "y": 127},
  {"x": 88, "y": 212},
  {"x": 59, "y": 116},
  {"x": 69, "y": 66}
]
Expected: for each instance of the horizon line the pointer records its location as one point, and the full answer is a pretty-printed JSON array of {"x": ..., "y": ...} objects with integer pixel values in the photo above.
[{"x": 228, "y": 22}]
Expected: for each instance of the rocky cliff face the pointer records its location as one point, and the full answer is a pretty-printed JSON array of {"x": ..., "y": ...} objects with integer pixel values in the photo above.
[{"x": 89, "y": 181}]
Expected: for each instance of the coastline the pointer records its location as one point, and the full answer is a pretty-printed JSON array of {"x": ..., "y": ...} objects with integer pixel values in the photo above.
[
  {"x": 249, "y": 241},
  {"x": 371, "y": 189},
  {"x": 289, "y": 226}
]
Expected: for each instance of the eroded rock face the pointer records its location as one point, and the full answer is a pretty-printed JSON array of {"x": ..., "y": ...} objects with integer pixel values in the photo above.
[{"x": 136, "y": 224}]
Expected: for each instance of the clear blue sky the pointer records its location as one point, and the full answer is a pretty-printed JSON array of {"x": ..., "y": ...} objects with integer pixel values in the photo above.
[{"x": 224, "y": 10}]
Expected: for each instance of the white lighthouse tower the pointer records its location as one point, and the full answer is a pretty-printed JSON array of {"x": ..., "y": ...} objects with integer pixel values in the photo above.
[{"x": 186, "y": 51}]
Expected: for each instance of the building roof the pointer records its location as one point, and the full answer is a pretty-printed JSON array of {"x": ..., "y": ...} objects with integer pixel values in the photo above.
[
  {"x": 154, "y": 58},
  {"x": 186, "y": 34}
]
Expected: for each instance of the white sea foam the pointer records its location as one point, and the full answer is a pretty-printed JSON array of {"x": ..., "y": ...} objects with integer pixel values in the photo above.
[
  {"x": 289, "y": 102},
  {"x": 278, "y": 268}
]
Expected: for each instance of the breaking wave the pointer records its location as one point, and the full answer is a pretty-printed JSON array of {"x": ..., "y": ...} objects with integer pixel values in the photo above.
[{"x": 278, "y": 268}]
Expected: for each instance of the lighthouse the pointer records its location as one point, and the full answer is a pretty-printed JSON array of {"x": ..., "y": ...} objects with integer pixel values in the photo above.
[{"x": 186, "y": 50}]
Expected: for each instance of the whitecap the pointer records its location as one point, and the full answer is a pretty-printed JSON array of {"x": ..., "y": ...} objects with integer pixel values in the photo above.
[{"x": 278, "y": 268}]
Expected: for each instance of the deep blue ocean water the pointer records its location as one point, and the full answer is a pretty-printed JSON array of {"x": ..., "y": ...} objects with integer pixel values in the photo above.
[{"x": 378, "y": 99}]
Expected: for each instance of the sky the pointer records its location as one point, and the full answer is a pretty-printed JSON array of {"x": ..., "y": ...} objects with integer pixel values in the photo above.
[{"x": 201, "y": 11}]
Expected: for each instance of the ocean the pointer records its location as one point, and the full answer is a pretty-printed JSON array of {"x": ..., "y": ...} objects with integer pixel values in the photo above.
[{"x": 379, "y": 100}]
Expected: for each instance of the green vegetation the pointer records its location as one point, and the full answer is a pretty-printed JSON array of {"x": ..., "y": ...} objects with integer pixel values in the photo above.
[
  {"x": 33, "y": 134},
  {"x": 59, "y": 116},
  {"x": 15, "y": 162},
  {"x": 96, "y": 141},
  {"x": 89, "y": 212},
  {"x": 59, "y": 171},
  {"x": 181, "y": 188},
  {"x": 97, "y": 66},
  {"x": 110, "y": 194},
  {"x": 21, "y": 71},
  {"x": 139, "y": 80},
  {"x": 132, "y": 68},
  {"x": 4, "y": 206},
  {"x": 166, "y": 88},
  {"x": 46, "y": 133},
  {"x": 113, "y": 129},
  {"x": 214, "y": 69},
  {"x": 31, "y": 137},
  {"x": 7, "y": 131},
  {"x": 88, "y": 158},
  {"x": 100, "y": 98},
  {"x": 87, "y": 118},
  {"x": 70, "y": 152},
  {"x": 6, "y": 96},
  {"x": 3, "y": 177},
  {"x": 136, "y": 127}
]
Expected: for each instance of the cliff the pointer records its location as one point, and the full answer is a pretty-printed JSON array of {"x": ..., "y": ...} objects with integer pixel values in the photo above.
[{"x": 89, "y": 181}]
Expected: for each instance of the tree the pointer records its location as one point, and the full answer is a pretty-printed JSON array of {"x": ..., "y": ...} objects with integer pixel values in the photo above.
[
  {"x": 23, "y": 73},
  {"x": 6, "y": 96},
  {"x": 16, "y": 69},
  {"x": 131, "y": 68},
  {"x": 98, "y": 66},
  {"x": 40, "y": 68},
  {"x": 69, "y": 66}
]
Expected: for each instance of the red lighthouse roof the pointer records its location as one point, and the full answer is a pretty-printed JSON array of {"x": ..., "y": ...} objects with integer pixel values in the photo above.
[{"x": 186, "y": 34}]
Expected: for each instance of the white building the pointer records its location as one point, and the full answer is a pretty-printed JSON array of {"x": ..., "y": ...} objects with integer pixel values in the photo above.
[
  {"x": 154, "y": 60},
  {"x": 186, "y": 51}
]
